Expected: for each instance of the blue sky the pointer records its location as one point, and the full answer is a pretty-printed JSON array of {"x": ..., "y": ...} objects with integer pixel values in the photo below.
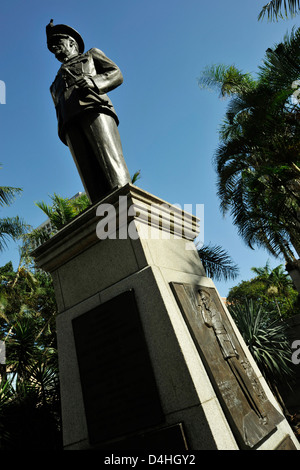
[{"x": 168, "y": 126}]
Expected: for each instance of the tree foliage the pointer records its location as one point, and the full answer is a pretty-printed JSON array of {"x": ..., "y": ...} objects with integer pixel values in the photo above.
[
  {"x": 259, "y": 308},
  {"x": 266, "y": 338},
  {"x": 258, "y": 160},
  {"x": 279, "y": 9},
  {"x": 60, "y": 212},
  {"x": 272, "y": 289},
  {"x": 10, "y": 227},
  {"x": 29, "y": 385}
]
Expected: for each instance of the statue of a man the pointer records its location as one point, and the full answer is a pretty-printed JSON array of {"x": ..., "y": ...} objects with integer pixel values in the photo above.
[{"x": 87, "y": 121}]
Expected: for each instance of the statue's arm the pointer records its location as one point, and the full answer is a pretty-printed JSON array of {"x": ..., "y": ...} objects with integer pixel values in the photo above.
[{"x": 108, "y": 75}]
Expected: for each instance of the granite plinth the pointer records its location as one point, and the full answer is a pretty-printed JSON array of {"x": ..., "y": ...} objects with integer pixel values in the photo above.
[{"x": 149, "y": 246}]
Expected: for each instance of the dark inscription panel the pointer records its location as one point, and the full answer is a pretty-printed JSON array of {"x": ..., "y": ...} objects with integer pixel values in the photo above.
[
  {"x": 251, "y": 415},
  {"x": 171, "y": 439},
  {"x": 118, "y": 385}
]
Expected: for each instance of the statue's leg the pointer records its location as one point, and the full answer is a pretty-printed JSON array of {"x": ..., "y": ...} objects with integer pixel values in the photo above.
[
  {"x": 90, "y": 172},
  {"x": 103, "y": 135}
]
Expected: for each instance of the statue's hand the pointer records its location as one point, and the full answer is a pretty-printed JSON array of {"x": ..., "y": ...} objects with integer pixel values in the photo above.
[{"x": 85, "y": 82}]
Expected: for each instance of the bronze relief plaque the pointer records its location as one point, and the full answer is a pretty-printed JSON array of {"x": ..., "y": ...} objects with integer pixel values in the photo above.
[{"x": 250, "y": 414}]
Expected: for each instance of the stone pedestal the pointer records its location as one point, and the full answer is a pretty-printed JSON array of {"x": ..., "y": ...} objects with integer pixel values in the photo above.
[{"x": 134, "y": 368}]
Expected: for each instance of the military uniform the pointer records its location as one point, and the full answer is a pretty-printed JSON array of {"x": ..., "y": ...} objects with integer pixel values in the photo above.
[{"x": 87, "y": 121}]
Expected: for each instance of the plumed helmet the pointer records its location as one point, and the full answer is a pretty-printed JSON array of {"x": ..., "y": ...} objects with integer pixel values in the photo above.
[{"x": 63, "y": 29}]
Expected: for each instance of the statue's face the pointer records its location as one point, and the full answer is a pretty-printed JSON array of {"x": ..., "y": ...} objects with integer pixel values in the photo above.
[
  {"x": 63, "y": 48},
  {"x": 205, "y": 297}
]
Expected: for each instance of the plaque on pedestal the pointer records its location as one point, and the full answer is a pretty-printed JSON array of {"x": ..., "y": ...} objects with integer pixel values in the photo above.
[
  {"x": 244, "y": 401},
  {"x": 118, "y": 385}
]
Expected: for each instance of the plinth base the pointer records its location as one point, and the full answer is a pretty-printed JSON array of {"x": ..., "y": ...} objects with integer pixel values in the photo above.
[{"x": 142, "y": 363}]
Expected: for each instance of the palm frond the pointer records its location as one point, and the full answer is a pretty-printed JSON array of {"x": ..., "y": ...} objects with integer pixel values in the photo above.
[
  {"x": 62, "y": 210},
  {"x": 227, "y": 79},
  {"x": 136, "y": 176},
  {"x": 8, "y": 195},
  {"x": 217, "y": 263},
  {"x": 280, "y": 67},
  {"x": 11, "y": 228},
  {"x": 279, "y": 9},
  {"x": 80, "y": 203}
]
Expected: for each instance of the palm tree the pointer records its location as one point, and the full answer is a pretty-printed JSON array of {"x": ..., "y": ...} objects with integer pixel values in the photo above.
[
  {"x": 10, "y": 227},
  {"x": 29, "y": 392},
  {"x": 272, "y": 289},
  {"x": 275, "y": 278},
  {"x": 273, "y": 9},
  {"x": 257, "y": 161},
  {"x": 277, "y": 282},
  {"x": 63, "y": 210},
  {"x": 60, "y": 212}
]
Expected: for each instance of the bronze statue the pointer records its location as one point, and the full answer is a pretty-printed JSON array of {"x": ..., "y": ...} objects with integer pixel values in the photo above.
[{"x": 87, "y": 121}]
